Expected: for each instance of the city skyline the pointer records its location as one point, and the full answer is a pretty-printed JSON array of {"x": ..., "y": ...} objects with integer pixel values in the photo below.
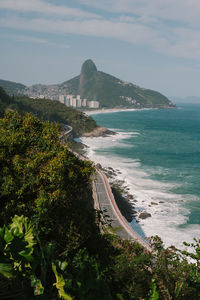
[{"x": 151, "y": 44}]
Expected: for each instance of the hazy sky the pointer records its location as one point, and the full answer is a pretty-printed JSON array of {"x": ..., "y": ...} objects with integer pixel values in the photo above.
[{"x": 152, "y": 43}]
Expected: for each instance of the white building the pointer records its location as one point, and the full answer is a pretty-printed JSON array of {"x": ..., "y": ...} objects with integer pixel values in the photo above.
[
  {"x": 73, "y": 101},
  {"x": 61, "y": 98},
  {"x": 93, "y": 104},
  {"x": 78, "y": 102},
  {"x": 84, "y": 102}
]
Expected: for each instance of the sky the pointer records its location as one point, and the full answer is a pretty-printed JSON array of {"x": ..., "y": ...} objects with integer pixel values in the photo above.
[{"x": 152, "y": 43}]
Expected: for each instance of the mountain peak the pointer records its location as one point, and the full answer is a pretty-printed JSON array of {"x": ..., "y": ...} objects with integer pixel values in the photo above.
[
  {"x": 88, "y": 75},
  {"x": 88, "y": 68}
]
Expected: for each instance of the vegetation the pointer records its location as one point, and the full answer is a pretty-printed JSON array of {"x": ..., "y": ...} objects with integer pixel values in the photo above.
[
  {"x": 95, "y": 85},
  {"x": 111, "y": 91},
  {"x": 12, "y": 88},
  {"x": 50, "y": 243},
  {"x": 50, "y": 110}
]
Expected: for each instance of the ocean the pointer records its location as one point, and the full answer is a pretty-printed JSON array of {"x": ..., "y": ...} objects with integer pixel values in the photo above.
[{"x": 158, "y": 154}]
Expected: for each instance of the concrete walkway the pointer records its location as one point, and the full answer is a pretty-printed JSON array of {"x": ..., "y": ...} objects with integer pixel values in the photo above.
[{"x": 105, "y": 202}]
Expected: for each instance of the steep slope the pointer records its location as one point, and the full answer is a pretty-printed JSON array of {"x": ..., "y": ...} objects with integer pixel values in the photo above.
[
  {"x": 46, "y": 109},
  {"x": 111, "y": 91},
  {"x": 95, "y": 85},
  {"x": 12, "y": 88}
]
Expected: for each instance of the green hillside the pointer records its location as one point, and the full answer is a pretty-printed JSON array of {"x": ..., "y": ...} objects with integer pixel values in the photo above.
[
  {"x": 48, "y": 110},
  {"x": 111, "y": 91},
  {"x": 51, "y": 245},
  {"x": 94, "y": 85},
  {"x": 12, "y": 88}
]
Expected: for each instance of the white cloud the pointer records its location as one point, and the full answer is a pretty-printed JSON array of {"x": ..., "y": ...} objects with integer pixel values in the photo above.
[
  {"x": 140, "y": 22},
  {"x": 45, "y": 8},
  {"x": 34, "y": 40},
  {"x": 131, "y": 32},
  {"x": 177, "y": 10}
]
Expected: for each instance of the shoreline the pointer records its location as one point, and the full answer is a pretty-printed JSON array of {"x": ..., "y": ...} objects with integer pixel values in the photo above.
[
  {"x": 150, "y": 197},
  {"x": 126, "y": 202},
  {"x": 120, "y": 109},
  {"x": 113, "y": 110}
]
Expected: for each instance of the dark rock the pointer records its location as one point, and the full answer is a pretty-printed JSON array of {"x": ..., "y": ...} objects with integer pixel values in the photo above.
[
  {"x": 144, "y": 215},
  {"x": 129, "y": 197},
  {"x": 99, "y": 166}
]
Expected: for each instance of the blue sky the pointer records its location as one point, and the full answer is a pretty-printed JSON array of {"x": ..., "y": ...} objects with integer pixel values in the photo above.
[{"x": 152, "y": 43}]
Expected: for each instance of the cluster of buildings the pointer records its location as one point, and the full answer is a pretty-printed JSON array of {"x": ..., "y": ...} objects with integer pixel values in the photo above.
[
  {"x": 130, "y": 100},
  {"x": 76, "y": 101}
]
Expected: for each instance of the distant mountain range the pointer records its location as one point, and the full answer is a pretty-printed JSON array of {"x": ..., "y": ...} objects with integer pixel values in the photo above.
[{"x": 95, "y": 85}]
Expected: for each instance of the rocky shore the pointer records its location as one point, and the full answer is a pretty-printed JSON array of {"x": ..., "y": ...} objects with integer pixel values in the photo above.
[
  {"x": 125, "y": 201},
  {"x": 99, "y": 131}
]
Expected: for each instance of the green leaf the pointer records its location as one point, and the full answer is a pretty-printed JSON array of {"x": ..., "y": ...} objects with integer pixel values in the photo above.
[
  {"x": 37, "y": 285},
  {"x": 6, "y": 270},
  {"x": 62, "y": 265},
  {"x": 60, "y": 283},
  {"x": 154, "y": 292},
  {"x": 120, "y": 297},
  {"x": 8, "y": 237},
  {"x": 27, "y": 253},
  {"x": 24, "y": 227}
]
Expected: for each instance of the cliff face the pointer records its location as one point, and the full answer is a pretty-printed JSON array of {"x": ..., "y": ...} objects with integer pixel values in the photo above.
[{"x": 88, "y": 77}]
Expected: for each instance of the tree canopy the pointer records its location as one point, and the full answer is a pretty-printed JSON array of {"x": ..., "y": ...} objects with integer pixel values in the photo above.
[{"x": 50, "y": 243}]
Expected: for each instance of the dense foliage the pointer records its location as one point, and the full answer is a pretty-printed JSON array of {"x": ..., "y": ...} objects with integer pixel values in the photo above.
[
  {"x": 12, "y": 87},
  {"x": 50, "y": 110},
  {"x": 50, "y": 243}
]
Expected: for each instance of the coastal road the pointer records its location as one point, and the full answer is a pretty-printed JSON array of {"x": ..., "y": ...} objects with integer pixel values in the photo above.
[
  {"x": 66, "y": 133},
  {"x": 105, "y": 202}
]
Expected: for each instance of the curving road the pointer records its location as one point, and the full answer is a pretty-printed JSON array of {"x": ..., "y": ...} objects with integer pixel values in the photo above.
[{"x": 106, "y": 203}]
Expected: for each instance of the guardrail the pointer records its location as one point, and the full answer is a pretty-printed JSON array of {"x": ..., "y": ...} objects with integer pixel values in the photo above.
[
  {"x": 68, "y": 130},
  {"x": 126, "y": 227}
]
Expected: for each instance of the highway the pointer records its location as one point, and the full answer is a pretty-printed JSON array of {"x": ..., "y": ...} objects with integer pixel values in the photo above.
[
  {"x": 105, "y": 202},
  {"x": 112, "y": 216}
]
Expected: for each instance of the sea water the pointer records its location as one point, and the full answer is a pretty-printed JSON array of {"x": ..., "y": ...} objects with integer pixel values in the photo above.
[{"x": 158, "y": 154}]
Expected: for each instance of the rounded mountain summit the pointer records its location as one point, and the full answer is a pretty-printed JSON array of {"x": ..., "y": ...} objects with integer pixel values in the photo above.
[
  {"x": 93, "y": 84},
  {"x": 111, "y": 92}
]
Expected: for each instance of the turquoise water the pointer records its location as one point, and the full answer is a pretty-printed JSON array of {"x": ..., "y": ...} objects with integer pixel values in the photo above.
[{"x": 165, "y": 145}]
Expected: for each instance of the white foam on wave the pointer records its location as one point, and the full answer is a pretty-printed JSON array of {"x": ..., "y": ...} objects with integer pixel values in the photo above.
[{"x": 169, "y": 213}]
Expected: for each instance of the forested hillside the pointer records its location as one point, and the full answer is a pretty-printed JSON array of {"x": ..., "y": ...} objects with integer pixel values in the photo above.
[
  {"x": 50, "y": 243},
  {"x": 12, "y": 88},
  {"x": 111, "y": 91},
  {"x": 48, "y": 110},
  {"x": 92, "y": 84}
]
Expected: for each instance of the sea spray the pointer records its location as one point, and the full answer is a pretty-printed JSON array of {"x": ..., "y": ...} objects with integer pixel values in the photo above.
[{"x": 153, "y": 152}]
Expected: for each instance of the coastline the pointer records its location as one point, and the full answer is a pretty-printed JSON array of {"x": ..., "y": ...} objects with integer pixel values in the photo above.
[
  {"x": 125, "y": 200},
  {"x": 112, "y": 110},
  {"x": 120, "y": 109},
  {"x": 167, "y": 209}
]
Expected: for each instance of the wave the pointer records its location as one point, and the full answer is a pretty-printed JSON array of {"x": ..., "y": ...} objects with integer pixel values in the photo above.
[{"x": 168, "y": 211}]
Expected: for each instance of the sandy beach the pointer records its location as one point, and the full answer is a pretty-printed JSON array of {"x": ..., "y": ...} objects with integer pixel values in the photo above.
[{"x": 108, "y": 110}]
